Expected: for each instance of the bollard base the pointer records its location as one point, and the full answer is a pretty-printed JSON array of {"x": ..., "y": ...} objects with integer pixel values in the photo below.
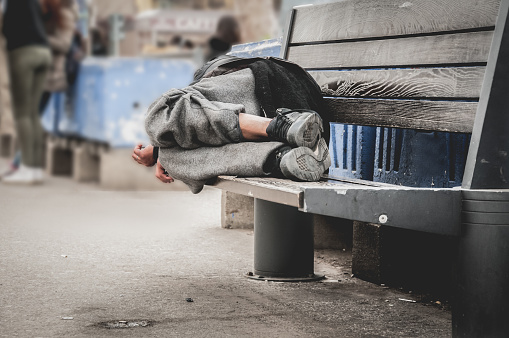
[{"x": 310, "y": 278}]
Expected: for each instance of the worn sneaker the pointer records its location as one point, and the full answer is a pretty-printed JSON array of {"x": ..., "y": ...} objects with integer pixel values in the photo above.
[
  {"x": 305, "y": 164},
  {"x": 298, "y": 128}
]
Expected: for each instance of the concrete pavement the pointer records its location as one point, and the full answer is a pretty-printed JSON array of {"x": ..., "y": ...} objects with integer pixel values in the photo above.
[{"x": 79, "y": 261}]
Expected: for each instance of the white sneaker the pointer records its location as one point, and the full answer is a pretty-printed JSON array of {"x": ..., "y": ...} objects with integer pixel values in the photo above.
[{"x": 24, "y": 175}]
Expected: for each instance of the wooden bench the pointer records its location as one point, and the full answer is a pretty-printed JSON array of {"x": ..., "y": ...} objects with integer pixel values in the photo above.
[{"x": 437, "y": 65}]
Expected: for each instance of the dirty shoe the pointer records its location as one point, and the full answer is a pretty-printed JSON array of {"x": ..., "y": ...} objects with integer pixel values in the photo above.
[
  {"x": 298, "y": 128},
  {"x": 305, "y": 164}
]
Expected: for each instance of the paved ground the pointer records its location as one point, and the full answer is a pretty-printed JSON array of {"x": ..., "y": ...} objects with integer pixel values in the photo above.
[{"x": 74, "y": 258}]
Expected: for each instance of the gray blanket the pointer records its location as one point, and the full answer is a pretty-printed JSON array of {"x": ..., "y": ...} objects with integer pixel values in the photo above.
[{"x": 197, "y": 130}]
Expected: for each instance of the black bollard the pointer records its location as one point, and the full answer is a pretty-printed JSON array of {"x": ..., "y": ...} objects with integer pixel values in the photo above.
[
  {"x": 283, "y": 243},
  {"x": 481, "y": 307}
]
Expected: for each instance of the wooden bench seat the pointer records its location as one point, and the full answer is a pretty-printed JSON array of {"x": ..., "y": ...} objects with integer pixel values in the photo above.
[{"x": 359, "y": 200}]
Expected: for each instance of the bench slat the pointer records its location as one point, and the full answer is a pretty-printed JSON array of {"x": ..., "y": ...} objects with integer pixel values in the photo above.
[
  {"x": 412, "y": 114},
  {"x": 267, "y": 189},
  {"x": 452, "y": 49},
  {"x": 429, "y": 210},
  {"x": 461, "y": 82},
  {"x": 281, "y": 190},
  {"x": 374, "y": 18}
]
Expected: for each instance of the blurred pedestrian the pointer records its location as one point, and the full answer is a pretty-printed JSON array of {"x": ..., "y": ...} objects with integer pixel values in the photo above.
[
  {"x": 29, "y": 61},
  {"x": 227, "y": 34},
  {"x": 60, "y": 18}
]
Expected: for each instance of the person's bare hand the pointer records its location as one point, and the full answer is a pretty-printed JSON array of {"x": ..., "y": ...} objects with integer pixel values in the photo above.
[
  {"x": 144, "y": 156},
  {"x": 162, "y": 175}
]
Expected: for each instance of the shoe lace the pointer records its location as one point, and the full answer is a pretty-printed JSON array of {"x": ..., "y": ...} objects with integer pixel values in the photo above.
[{"x": 283, "y": 123}]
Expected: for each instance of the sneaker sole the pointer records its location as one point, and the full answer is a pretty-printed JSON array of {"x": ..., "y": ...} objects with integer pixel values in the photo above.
[
  {"x": 306, "y": 131},
  {"x": 305, "y": 164}
]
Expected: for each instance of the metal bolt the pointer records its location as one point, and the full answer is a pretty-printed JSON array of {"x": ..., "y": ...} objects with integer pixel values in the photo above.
[{"x": 383, "y": 219}]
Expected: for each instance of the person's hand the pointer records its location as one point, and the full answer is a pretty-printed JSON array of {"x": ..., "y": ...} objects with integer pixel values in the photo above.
[
  {"x": 144, "y": 155},
  {"x": 162, "y": 175}
]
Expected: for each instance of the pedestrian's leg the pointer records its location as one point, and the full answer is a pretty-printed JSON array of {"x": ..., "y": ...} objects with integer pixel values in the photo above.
[
  {"x": 22, "y": 84},
  {"x": 37, "y": 90},
  {"x": 44, "y": 102}
]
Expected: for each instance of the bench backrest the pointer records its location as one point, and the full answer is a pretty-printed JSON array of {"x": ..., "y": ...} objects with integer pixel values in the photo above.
[{"x": 418, "y": 64}]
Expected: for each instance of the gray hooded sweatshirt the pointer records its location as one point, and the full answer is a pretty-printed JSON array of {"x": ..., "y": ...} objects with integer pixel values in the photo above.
[{"x": 197, "y": 130}]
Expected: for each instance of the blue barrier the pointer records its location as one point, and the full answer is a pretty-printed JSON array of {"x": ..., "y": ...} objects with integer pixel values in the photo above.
[
  {"x": 113, "y": 94},
  {"x": 352, "y": 149},
  {"x": 111, "y": 97},
  {"x": 420, "y": 159},
  {"x": 398, "y": 156}
]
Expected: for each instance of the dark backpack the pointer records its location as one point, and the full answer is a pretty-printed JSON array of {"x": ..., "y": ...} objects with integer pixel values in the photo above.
[
  {"x": 232, "y": 62},
  {"x": 218, "y": 62}
]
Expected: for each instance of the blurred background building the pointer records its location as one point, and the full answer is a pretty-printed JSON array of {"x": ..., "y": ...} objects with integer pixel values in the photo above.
[{"x": 148, "y": 27}]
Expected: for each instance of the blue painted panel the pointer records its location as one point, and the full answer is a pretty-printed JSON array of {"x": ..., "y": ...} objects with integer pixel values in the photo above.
[
  {"x": 258, "y": 49},
  {"x": 352, "y": 150},
  {"x": 420, "y": 159},
  {"x": 113, "y": 94}
]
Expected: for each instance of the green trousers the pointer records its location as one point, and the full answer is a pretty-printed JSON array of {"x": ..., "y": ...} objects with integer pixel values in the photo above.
[{"x": 28, "y": 67}]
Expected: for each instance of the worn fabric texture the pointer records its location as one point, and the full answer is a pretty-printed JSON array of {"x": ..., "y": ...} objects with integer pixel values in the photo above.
[
  {"x": 200, "y": 166},
  {"x": 280, "y": 83},
  {"x": 197, "y": 130}
]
